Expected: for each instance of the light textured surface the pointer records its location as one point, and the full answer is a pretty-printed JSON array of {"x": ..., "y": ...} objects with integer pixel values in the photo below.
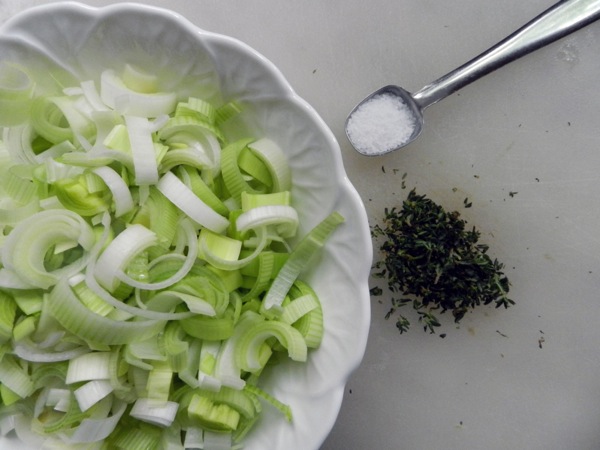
[{"x": 530, "y": 129}]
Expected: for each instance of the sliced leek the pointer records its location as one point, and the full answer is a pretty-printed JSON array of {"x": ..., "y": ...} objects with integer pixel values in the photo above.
[{"x": 147, "y": 270}]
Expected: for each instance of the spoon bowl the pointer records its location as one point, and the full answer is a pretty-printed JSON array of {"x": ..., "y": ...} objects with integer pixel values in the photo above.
[
  {"x": 373, "y": 130},
  {"x": 372, "y": 133}
]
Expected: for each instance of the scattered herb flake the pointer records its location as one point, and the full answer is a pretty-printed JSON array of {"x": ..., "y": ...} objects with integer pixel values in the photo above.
[
  {"x": 403, "y": 185},
  {"x": 434, "y": 263},
  {"x": 541, "y": 341},
  {"x": 376, "y": 291}
]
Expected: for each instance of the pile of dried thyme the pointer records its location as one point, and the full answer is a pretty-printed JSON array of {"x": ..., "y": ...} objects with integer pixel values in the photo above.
[{"x": 434, "y": 262}]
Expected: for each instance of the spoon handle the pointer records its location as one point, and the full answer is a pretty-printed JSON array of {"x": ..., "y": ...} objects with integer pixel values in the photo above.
[{"x": 558, "y": 21}]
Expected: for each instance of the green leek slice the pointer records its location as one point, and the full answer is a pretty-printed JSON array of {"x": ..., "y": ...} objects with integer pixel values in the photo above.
[
  {"x": 248, "y": 353},
  {"x": 16, "y": 89},
  {"x": 310, "y": 324},
  {"x": 300, "y": 259},
  {"x": 75, "y": 317},
  {"x": 212, "y": 415}
]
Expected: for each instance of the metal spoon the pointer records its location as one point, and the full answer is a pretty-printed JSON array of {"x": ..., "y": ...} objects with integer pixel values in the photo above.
[{"x": 562, "y": 19}]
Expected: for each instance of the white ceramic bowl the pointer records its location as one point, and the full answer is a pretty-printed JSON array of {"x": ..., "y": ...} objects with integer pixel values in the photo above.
[{"x": 83, "y": 41}]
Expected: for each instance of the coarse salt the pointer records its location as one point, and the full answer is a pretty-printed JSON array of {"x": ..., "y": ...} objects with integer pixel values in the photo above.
[{"x": 381, "y": 124}]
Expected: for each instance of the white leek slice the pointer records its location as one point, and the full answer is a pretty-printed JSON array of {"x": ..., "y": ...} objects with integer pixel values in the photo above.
[
  {"x": 105, "y": 122},
  {"x": 190, "y": 258},
  {"x": 26, "y": 246},
  {"x": 284, "y": 217},
  {"x": 91, "y": 94},
  {"x": 161, "y": 414},
  {"x": 98, "y": 429},
  {"x": 276, "y": 161},
  {"x": 120, "y": 252},
  {"x": 9, "y": 279},
  {"x": 119, "y": 189},
  {"x": 29, "y": 351},
  {"x": 59, "y": 399},
  {"x": 117, "y": 95},
  {"x": 25, "y": 433},
  {"x": 78, "y": 123},
  {"x": 91, "y": 393},
  {"x": 7, "y": 424},
  {"x": 158, "y": 122},
  {"x": 142, "y": 150},
  {"x": 97, "y": 157},
  {"x": 182, "y": 197},
  {"x": 195, "y": 181},
  {"x": 91, "y": 366},
  {"x": 194, "y": 437},
  {"x": 56, "y": 150}
]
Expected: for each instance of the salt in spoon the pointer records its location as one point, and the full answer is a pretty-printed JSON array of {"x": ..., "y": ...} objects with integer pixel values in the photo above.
[{"x": 391, "y": 117}]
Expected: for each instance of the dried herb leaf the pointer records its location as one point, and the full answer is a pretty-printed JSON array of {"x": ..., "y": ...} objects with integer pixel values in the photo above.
[{"x": 436, "y": 263}]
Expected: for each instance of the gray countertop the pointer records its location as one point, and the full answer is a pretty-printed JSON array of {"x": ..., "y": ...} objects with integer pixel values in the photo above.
[{"x": 523, "y": 145}]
